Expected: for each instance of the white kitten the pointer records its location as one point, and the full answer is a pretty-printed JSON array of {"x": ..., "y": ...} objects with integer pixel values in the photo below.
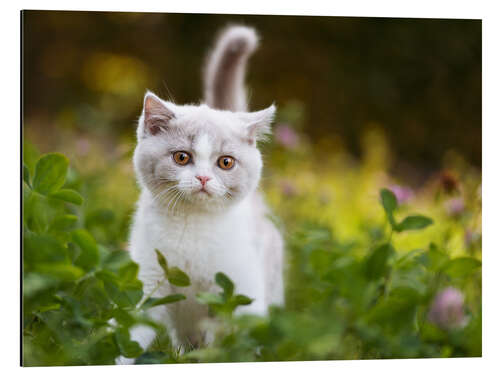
[{"x": 199, "y": 168}]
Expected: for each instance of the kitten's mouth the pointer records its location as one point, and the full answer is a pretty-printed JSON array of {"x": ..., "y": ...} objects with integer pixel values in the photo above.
[{"x": 203, "y": 191}]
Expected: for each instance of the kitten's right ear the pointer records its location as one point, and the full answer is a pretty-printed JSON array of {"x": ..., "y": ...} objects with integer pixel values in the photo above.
[{"x": 156, "y": 115}]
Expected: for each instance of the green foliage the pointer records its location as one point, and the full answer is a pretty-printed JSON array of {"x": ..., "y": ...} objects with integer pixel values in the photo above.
[
  {"x": 68, "y": 195},
  {"x": 79, "y": 297},
  {"x": 26, "y": 175},
  {"x": 359, "y": 291},
  {"x": 50, "y": 173},
  {"x": 390, "y": 204},
  {"x": 376, "y": 263},
  {"x": 88, "y": 256},
  {"x": 225, "y": 302},
  {"x": 414, "y": 222},
  {"x": 151, "y": 302},
  {"x": 174, "y": 275},
  {"x": 462, "y": 267},
  {"x": 345, "y": 304}
]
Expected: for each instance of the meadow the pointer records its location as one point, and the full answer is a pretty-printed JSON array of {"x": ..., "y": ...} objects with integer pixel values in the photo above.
[{"x": 376, "y": 267}]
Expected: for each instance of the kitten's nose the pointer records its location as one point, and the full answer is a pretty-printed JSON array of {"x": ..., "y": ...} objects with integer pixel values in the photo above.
[{"x": 203, "y": 179}]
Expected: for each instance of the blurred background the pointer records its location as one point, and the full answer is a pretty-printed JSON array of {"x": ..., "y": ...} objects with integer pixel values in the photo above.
[
  {"x": 363, "y": 103},
  {"x": 419, "y": 80}
]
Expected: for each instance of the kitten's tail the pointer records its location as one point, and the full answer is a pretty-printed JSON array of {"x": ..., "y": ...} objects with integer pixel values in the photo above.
[{"x": 224, "y": 74}]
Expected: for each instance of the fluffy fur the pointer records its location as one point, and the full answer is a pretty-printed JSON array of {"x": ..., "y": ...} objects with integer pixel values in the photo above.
[
  {"x": 225, "y": 68},
  {"x": 203, "y": 228}
]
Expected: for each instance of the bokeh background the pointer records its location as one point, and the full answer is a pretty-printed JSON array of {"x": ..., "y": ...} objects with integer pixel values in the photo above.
[
  {"x": 363, "y": 104},
  {"x": 398, "y": 97},
  {"x": 418, "y": 79}
]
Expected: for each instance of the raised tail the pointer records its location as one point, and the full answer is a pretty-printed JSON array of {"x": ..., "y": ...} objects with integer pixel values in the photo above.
[{"x": 224, "y": 76}]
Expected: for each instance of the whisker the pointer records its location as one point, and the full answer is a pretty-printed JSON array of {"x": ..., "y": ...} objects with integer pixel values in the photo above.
[
  {"x": 177, "y": 200},
  {"x": 163, "y": 194},
  {"x": 175, "y": 197}
]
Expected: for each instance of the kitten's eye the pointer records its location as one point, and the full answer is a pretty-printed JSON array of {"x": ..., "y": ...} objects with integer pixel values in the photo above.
[
  {"x": 181, "y": 157},
  {"x": 225, "y": 162}
]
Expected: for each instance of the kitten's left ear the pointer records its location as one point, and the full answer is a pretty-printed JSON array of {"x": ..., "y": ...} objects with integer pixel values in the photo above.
[{"x": 258, "y": 124}]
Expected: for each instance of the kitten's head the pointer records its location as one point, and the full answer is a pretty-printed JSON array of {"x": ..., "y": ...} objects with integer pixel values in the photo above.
[{"x": 195, "y": 158}]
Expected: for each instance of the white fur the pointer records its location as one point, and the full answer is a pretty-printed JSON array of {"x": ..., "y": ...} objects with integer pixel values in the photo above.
[
  {"x": 225, "y": 230},
  {"x": 225, "y": 68},
  {"x": 201, "y": 245}
]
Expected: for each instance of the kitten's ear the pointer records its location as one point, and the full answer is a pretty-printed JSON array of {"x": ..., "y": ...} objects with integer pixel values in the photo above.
[
  {"x": 258, "y": 124},
  {"x": 156, "y": 115}
]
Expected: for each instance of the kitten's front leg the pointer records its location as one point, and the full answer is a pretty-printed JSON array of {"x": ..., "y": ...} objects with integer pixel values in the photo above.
[
  {"x": 143, "y": 334},
  {"x": 255, "y": 289}
]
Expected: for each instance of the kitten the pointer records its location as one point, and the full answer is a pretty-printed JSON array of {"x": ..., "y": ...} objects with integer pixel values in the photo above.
[{"x": 199, "y": 168}]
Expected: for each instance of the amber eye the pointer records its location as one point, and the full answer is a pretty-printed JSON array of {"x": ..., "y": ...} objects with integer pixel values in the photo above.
[
  {"x": 225, "y": 162},
  {"x": 181, "y": 157}
]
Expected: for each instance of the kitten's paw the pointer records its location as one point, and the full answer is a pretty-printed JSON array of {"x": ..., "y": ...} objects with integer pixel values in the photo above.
[{"x": 121, "y": 360}]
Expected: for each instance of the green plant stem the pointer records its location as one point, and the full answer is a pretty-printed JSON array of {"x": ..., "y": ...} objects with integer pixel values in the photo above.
[{"x": 150, "y": 294}]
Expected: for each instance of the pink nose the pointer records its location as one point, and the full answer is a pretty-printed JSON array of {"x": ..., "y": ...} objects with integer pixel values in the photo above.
[{"x": 203, "y": 179}]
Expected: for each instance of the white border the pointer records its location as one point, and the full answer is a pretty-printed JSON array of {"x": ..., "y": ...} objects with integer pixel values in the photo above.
[{"x": 491, "y": 170}]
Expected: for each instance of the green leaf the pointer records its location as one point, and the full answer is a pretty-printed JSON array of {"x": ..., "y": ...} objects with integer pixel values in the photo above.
[
  {"x": 37, "y": 212},
  {"x": 54, "y": 306},
  {"x": 177, "y": 277},
  {"x": 61, "y": 271},
  {"x": 210, "y": 299},
  {"x": 151, "y": 302},
  {"x": 35, "y": 283},
  {"x": 43, "y": 249},
  {"x": 413, "y": 222},
  {"x": 128, "y": 348},
  {"x": 128, "y": 297},
  {"x": 26, "y": 175},
  {"x": 434, "y": 259},
  {"x": 390, "y": 203},
  {"x": 68, "y": 195},
  {"x": 389, "y": 200},
  {"x": 205, "y": 355},
  {"x": 396, "y": 311},
  {"x": 108, "y": 277},
  {"x": 174, "y": 275},
  {"x": 128, "y": 272},
  {"x": 114, "y": 260},
  {"x": 462, "y": 267},
  {"x": 50, "y": 173},
  {"x": 64, "y": 222},
  {"x": 123, "y": 317},
  {"x": 241, "y": 299},
  {"x": 134, "y": 296},
  {"x": 376, "y": 263},
  {"x": 162, "y": 261},
  {"x": 225, "y": 283},
  {"x": 89, "y": 255}
]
